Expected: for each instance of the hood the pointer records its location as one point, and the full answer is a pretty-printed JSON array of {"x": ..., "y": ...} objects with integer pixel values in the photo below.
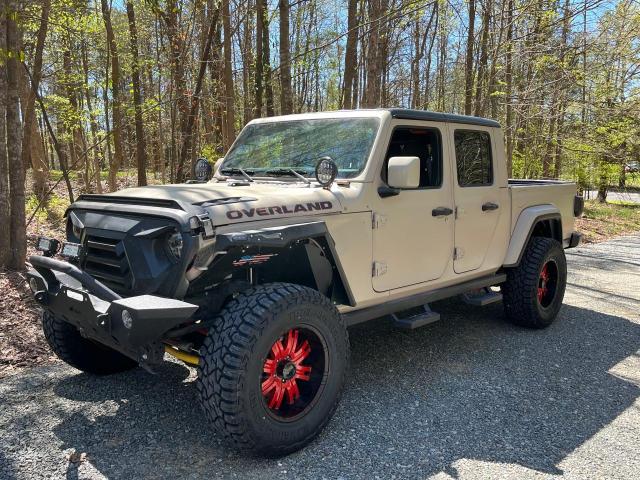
[{"x": 228, "y": 203}]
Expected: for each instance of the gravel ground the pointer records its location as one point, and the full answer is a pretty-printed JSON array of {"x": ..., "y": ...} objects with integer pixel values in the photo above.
[{"x": 468, "y": 397}]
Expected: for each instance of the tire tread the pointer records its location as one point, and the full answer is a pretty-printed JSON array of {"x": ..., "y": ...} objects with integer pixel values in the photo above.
[{"x": 227, "y": 349}]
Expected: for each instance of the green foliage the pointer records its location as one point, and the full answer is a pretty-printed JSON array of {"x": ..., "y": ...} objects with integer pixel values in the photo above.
[{"x": 51, "y": 210}]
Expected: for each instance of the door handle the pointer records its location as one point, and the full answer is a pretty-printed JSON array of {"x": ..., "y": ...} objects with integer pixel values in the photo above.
[
  {"x": 489, "y": 206},
  {"x": 441, "y": 212}
]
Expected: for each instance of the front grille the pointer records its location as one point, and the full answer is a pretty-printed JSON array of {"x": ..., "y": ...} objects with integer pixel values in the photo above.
[{"x": 106, "y": 261}]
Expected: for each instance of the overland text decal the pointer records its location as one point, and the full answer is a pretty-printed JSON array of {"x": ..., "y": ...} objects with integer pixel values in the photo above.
[{"x": 279, "y": 210}]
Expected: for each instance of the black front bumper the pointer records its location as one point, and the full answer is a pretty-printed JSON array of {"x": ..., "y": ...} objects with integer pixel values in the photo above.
[{"x": 133, "y": 326}]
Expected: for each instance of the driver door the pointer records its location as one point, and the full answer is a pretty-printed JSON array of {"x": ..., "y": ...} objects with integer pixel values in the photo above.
[{"x": 413, "y": 230}]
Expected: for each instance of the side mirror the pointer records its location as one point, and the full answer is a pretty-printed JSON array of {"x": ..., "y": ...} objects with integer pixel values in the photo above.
[{"x": 403, "y": 172}]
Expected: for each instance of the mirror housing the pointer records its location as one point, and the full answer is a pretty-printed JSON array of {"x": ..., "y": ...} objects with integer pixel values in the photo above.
[{"x": 403, "y": 172}]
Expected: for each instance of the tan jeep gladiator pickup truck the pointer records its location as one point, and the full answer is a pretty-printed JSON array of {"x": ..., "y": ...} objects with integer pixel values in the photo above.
[{"x": 311, "y": 223}]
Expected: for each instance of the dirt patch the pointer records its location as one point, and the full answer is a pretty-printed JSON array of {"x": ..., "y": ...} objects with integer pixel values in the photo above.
[{"x": 22, "y": 343}]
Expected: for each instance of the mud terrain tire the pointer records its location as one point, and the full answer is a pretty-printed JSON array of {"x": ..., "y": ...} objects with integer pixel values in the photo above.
[
  {"x": 533, "y": 292},
  {"x": 81, "y": 353},
  {"x": 237, "y": 363}
]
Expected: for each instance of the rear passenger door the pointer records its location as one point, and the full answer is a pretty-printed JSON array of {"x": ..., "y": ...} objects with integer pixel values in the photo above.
[{"x": 479, "y": 199}]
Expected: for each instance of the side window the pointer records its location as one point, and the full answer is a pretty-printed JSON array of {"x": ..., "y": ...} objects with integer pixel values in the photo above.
[
  {"x": 473, "y": 158},
  {"x": 423, "y": 143}
]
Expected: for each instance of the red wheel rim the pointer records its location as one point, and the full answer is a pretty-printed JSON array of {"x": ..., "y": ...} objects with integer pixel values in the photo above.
[
  {"x": 547, "y": 282},
  {"x": 292, "y": 372}
]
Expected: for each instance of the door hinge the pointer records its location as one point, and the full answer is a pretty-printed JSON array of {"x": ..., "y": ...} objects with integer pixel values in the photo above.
[
  {"x": 458, "y": 253},
  {"x": 377, "y": 220},
  {"x": 379, "y": 269}
]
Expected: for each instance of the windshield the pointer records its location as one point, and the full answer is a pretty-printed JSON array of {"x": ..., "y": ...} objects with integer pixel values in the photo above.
[{"x": 279, "y": 147}]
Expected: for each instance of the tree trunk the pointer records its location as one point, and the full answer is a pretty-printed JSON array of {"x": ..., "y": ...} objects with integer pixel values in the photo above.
[
  {"x": 509, "y": 86},
  {"x": 563, "y": 101},
  {"x": 17, "y": 224},
  {"x": 141, "y": 154},
  {"x": 229, "y": 133},
  {"x": 180, "y": 112},
  {"x": 286, "y": 99},
  {"x": 266, "y": 60},
  {"x": 97, "y": 149},
  {"x": 78, "y": 155},
  {"x": 260, "y": 13},
  {"x": 468, "y": 69},
  {"x": 375, "y": 52},
  {"x": 248, "y": 65},
  {"x": 350, "y": 54},
  {"x": 5, "y": 202},
  {"x": 117, "y": 131},
  {"x": 195, "y": 98},
  {"x": 482, "y": 63},
  {"x": 31, "y": 153},
  {"x": 549, "y": 148}
]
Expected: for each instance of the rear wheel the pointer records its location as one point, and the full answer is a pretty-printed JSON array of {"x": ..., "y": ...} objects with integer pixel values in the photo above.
[
  {"x": 534, "y": 289},
  {"x": 81, "y": 353},
  {"x": 272, "y": 370}
]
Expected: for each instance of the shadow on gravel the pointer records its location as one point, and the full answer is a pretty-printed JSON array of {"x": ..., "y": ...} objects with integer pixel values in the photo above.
[
  {"x": 6, "y": 470},
  {"x": 470, "y": 387}
]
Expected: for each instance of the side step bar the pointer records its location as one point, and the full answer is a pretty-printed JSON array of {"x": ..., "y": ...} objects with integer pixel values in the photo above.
[
  {"x": 484, "y": 296},
  {"x": 417, "y": 320},
  {"x": 387, "y": 308}
]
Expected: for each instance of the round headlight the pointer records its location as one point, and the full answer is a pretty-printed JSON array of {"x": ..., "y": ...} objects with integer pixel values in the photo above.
[
  {"x": 175, "y": 244},
  {"x": 326, "y": 171}
]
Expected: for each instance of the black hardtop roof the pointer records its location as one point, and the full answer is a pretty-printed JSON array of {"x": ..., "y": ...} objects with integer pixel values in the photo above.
[{"x": 409, "y": 114}]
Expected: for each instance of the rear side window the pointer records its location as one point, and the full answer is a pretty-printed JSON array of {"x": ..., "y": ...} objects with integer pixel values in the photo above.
[{"x": 473, "y": 158}]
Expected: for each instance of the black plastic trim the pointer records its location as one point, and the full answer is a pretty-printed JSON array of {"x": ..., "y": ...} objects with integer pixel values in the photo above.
[
  {"x": 387, "y": 308},
  {"x": 574, "y": 240},
  {"x": 548, "y": 216},
  {"x": 180, "y": 216},
  {"x": 150, "y": 202},
  {"x": 409, "y": 114},
  {"x": 578, "y": 205},
  {"x": 280, "y": 237},
  {"x": 386, "y": 191},
  {"x": 87, "y": 281}
]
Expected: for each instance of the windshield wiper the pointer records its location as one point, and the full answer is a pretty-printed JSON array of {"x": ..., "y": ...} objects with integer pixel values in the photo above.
[
  {"x": 277, "y": 172},
  {"x": 236, "y": 171}
]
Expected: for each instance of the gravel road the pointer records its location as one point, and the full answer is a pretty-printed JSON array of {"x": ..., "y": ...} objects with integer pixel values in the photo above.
[
  {"x": 631, "y": 197},
  {"x": 468, "y": 397}
]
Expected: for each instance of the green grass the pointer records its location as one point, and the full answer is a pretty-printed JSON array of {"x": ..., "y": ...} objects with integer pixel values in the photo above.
[
  {"x": 601, "y": 221},
  {"x": 52, "y": 210}
]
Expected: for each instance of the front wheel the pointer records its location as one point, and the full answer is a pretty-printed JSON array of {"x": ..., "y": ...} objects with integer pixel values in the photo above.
[
  {"x": 272, "y": 369},
  {"x": 82, "y": 353},
  {"x": 534, "y": 289}
]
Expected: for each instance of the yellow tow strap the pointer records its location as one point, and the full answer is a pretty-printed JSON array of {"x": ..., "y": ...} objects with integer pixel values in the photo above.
[{"x": 184, "y": 356}]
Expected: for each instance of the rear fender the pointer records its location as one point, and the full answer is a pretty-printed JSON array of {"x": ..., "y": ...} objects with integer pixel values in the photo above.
[{"x": 540, "y": 220}]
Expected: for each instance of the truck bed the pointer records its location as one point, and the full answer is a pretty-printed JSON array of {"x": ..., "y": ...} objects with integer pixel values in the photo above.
[{"x": 528, "y": 193}]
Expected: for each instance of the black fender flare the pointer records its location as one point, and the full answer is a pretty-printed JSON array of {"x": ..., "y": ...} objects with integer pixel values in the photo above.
[{"x": 317, "y": 238}]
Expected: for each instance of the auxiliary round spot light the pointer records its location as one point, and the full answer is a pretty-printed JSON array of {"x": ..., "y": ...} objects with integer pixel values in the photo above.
[
  {"x": 203, "y": 170},
  {"x": 127, "y": 319},
  {"x": 326, "y": 171}
]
